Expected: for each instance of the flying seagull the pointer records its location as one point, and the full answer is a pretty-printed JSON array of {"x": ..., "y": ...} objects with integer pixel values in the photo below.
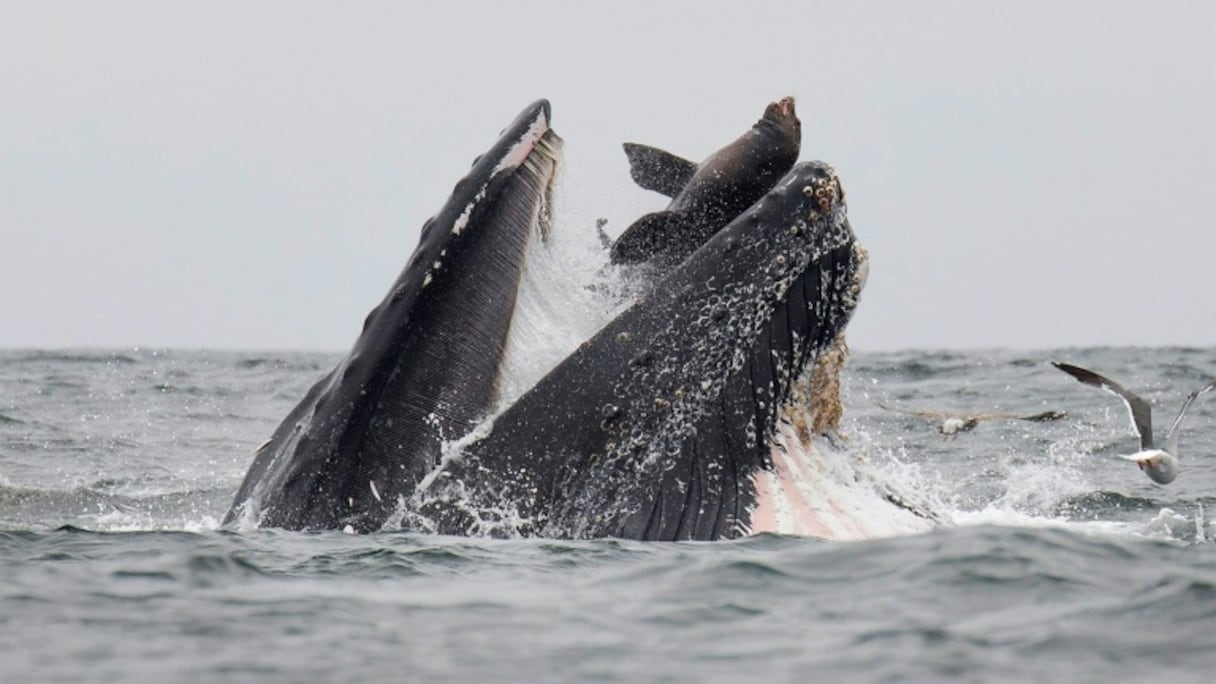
[
  {"x": 950, "y": 424},
  {"x": 1161, "y": 465}
]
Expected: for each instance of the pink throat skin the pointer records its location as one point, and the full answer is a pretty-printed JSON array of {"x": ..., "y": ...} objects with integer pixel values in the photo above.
[{"x": 817, "y": 490}]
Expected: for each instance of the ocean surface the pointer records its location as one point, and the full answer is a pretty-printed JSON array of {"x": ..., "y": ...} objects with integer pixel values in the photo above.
[{"x": 1056, "y": 562}]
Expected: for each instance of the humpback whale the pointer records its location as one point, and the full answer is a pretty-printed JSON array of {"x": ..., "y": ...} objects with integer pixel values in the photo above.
[
  {"x": 706, "y": 196},
  {"x": 426, "y": 365},
  {"x": 691, "y": 415},
  {"x": 1161, "y": 465}
]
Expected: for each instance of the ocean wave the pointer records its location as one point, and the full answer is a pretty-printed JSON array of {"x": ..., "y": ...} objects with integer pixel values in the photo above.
[
  {"x": 89, "y": 507},
  {"x": 68, "y": 356}
]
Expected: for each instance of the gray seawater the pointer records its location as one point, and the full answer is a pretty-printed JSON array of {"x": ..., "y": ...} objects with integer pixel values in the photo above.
[{"x": 1063, "y": 564}]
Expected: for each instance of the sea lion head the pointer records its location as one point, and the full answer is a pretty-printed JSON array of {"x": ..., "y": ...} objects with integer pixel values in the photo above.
[{"x": 781, "y": 114}]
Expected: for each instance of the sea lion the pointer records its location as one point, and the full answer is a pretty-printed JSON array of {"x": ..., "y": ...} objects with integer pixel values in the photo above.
[{"x": 709, "y": 195}]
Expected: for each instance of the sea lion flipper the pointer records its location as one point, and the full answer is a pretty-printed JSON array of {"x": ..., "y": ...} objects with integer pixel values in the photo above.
[
  {"x": 652, "y": 236},
  {"x": 658, "y": 170}
]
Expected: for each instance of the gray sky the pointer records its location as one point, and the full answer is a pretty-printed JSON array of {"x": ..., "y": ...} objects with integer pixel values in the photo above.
[{"x": 255, "y": 175}]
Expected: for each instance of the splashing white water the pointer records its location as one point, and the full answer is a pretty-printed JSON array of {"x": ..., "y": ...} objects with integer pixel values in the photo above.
[
  {"x": 1022, "y": 488},
  {"x": 568, "y": 291}
]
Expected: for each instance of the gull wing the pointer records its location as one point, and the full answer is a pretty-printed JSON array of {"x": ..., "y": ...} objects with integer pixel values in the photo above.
[
  {"x": 1037, "y": 417},
  {"x": 930, "y": 415},
  {"x": 1045, "y": 416},
  {"x": 1171, "y": 437},
  {"x": 1142, "y": 413}
]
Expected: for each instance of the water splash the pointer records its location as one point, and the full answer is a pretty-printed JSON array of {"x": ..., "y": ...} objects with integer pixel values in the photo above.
[{"x": 566, "y": 294}]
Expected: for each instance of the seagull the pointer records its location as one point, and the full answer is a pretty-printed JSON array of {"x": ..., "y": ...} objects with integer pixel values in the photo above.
[
  {"x": 1161, "y": 465},
  {"x": 950, "y": 424}
]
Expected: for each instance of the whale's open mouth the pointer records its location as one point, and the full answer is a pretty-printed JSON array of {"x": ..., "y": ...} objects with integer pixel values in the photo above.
[{"x": 694, "y": 414}]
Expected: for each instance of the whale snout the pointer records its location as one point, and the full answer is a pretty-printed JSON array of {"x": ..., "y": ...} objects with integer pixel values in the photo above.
[{"x": 823, "y": 186}]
